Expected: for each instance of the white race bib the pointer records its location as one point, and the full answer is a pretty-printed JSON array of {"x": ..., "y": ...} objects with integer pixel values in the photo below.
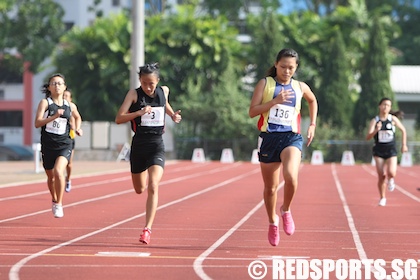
[
  {"x": 385, "y": 136},
  {"x": 57, "y": 126},
  {"x": 155, "y": 118},
  {"x": 281, "y": 115}
]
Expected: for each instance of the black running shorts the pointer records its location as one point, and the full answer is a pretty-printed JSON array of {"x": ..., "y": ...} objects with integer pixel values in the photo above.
[
  {"x": 50, "y": 156},
  {"x": 384, "y": 152},
  {"x": 146, "y": 150}
]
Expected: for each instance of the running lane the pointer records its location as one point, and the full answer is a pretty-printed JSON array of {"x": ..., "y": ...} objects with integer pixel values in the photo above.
[{"x": 211, "y": 224}]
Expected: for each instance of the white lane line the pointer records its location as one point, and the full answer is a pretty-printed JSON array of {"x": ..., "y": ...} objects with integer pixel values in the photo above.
[
  {"x": 356, "y": 238},
  {"x": 408, "y": 172},
  {"x": 125, "y": 178},
  {"x": 24, "y": 183},
  {"x": 118, "y": 193},
  {"x": 14, "y": 271},
  {"x": 98, "y": 173},
  {"x": 397, "y": 187},
  {"x": 198, "y": 262}
]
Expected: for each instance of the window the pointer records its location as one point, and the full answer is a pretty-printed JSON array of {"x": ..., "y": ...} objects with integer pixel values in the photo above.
[
  {"x": 116, "y": 3},
  {"x": 69, "y": 25},
  {"x": 11, "y": 118}
]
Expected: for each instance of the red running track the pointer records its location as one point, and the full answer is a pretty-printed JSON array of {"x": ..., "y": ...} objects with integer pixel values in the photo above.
[{"x": 211, "y": 224}]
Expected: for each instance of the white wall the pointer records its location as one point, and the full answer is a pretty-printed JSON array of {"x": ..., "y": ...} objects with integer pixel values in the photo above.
[
  {"x": 12, "y": 92},
  {"x": 12, "y": 135}
]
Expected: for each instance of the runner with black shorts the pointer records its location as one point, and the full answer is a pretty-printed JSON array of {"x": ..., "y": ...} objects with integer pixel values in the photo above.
[
  {"x": 145, "y": 107},
  {"x": 382, "y": 130},
  {"x": 53, "y": 117}
]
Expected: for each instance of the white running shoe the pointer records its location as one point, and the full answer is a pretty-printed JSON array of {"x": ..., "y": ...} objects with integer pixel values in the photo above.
[
  {"x": 53, "y": 207},
  {"x": 59, "y": 213},
  {"x": 382, "y": 202},
  {"x": 68, "y": 186},
  {"x": 391, "y": 184}
]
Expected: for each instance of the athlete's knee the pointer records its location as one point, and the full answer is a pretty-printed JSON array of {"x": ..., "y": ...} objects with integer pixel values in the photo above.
[
  {"x": 152, "y": 188},
  {"x": 270, "y": 189},
  {"x": 139, "y": 189},
  {"x": 290, "y": 178},
  {"x": 58, "y": 173}
]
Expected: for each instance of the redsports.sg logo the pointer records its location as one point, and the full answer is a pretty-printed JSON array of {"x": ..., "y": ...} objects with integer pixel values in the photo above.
[{"x": 316, "y": 269}]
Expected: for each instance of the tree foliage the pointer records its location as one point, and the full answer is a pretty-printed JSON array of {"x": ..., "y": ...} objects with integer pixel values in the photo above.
[
  {"x": 266, "y": 32},
  {"x": 33, "y": 27},
  {"x": 200, "y": 63},
  {"x": 374, "y": 80},
  {"x": 96, "y": 62},
  {"x": 334, "y": 97}
]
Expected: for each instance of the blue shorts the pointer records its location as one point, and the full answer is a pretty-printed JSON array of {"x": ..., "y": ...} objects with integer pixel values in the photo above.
[{"x": 272, "y": 144}]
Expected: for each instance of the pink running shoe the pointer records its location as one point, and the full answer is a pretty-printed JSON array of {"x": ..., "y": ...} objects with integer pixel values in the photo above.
[
  {"x": 288, "y": 223},
  {"x": 145, "y": 236},
  {"x": 273, "y": 234}
]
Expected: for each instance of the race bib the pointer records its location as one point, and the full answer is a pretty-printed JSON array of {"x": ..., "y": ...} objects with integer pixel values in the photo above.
[
  {"x": 385, "y": 136},
  {"x": 155, "y": 118},
  {"x": 281, "y": 115},
  {"x": 57, "y": 126}
]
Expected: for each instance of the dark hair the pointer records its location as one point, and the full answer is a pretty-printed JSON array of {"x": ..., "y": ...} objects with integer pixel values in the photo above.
[
  {"x": 399, "y": 114},
  {"x": 384, "y": 99},
  {"x": 149, "y": 68},
  {"x": 283, "y": 53},
  {"x": 44, "y": 88}
]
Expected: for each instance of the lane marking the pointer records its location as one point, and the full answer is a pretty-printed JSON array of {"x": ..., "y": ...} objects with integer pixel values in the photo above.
[
  {"x": 24, "y": 183},
  {"x": 125, "y": 178},
  {"x": 408, "y": 172},
  {"x": 198, "y": 262},
  {"x": 397, "y": 187},
  {"x": 282, "y": 257},
  {"x": 178, "y": 179},
  {"x": 90, "y": 174},
  {"x": 14, "y": 271},
  {"x": 123, "y": 254},
  {"x": 350, "y": 221}
]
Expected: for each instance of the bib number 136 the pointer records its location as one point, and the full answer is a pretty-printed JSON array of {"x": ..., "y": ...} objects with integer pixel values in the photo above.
[{"x": 281, "y": 115}]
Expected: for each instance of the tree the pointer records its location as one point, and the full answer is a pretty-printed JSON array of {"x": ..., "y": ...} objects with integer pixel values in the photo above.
[
  {"x": 407, "y": 45},
  {"x": 324, "y": 6},
  {"x": 374, "y": 80},
  {"x": 266, "y": 32},
  {"x": 32, "y": 27},
  {"x": 334, "y": 95},
  {"x": 200, "y": 63},
  {"x": 95, "y": 62},
  {"x": 191, "y": 49}
]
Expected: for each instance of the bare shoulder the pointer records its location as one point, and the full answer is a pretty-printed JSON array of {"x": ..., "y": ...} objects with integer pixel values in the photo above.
[
  {"x": 131, "y": 95},
  {"x": 165, "y": 89},
  {"x": 304, "y": 86},
  {"x": 73, "y": 105},
  {"x": 260, "y": 85},
  {"x": 43, "y": 103}
]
